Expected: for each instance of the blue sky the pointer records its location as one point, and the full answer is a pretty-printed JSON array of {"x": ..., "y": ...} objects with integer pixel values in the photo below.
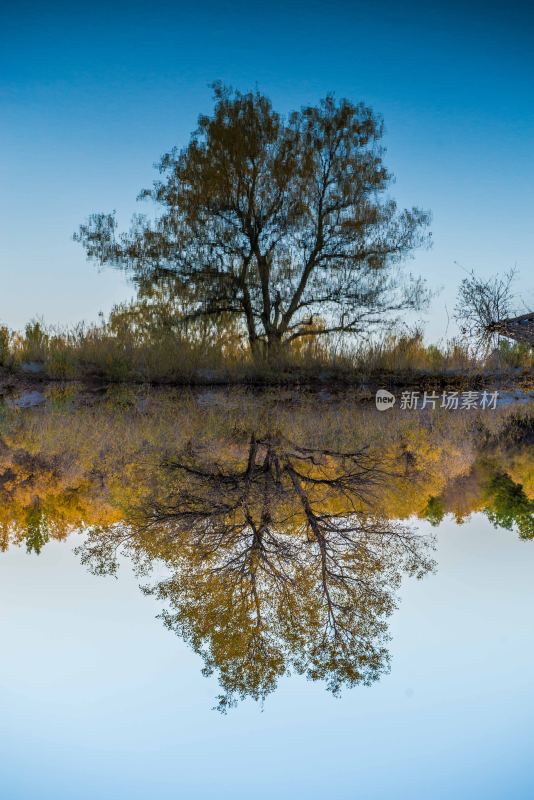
[
  {"x": 91, "y": 96},
  {"x": 99, "y": 700}
]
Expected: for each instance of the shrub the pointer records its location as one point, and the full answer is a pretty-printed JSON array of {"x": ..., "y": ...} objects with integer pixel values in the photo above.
[{"x": 5, "y": 343}]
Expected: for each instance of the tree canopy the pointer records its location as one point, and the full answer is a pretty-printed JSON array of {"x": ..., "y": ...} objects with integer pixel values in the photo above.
[{"x": 283, "y": 222}]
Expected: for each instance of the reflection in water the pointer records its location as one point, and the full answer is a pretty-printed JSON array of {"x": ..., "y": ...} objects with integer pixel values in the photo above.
[
  {"x": 280, "y": 525},
  {"x": 277, "y": 562}
]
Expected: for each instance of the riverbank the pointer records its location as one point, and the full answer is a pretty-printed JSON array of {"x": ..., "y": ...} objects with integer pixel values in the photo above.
[{"x": 363, "y": 384}]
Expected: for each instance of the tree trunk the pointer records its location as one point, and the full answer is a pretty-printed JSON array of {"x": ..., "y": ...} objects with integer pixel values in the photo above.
[
  {"x": 257, "y": 348},
  {"x": 274, "y": 349}
]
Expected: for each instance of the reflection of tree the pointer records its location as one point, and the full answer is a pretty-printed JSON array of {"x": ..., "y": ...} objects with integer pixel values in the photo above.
[
  {"x": 281, "y": 557},
  {"x": 509, "y": 505},
  {"x": 434, "y": 511},
  {"x": 277, "y": 563},
  {"x": 37, "y": 531}
]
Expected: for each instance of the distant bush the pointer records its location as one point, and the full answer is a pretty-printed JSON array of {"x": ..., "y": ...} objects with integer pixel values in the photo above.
[
  {"x": 5, "y": 346},
  {"x": 513, "y": 355},
  {"x": 35, "y": 342}
]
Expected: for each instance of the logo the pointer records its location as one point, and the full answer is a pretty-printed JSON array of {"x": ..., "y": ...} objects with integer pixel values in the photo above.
[{"x": 384, "y": 400}]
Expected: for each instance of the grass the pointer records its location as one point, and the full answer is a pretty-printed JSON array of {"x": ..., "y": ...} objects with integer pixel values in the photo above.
[{"x": 122, "y": 353}]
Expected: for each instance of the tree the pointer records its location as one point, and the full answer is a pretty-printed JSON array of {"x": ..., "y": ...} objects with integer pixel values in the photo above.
[
  {"x": 278, "y": 562},
  {"x": 481, "y": 304},
  {"x": 282, "y": 222}
]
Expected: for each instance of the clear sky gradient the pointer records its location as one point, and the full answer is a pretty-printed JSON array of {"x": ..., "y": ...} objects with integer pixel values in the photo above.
[
  {"x": 101, "y": 702},
  {"x": 92, "y": 95}
]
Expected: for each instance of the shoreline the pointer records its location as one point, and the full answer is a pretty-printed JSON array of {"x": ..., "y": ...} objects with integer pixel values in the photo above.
[{"x": 364, "y": 384}]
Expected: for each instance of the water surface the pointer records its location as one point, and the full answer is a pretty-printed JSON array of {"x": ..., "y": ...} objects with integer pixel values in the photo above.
[{"x": 335, "y": 601}]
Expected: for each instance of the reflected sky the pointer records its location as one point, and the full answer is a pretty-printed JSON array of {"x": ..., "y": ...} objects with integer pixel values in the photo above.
[{"x": 99, "y": 700}]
